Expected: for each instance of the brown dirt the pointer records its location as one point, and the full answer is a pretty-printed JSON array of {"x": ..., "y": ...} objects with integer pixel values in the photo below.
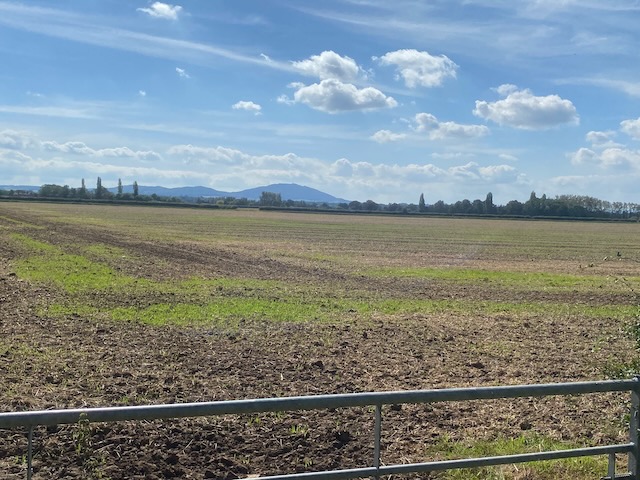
[{"x": 75, "y": 362}]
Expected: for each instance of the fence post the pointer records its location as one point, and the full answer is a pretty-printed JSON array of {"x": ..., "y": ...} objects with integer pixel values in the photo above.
[
  {"x": 376, "y": 442},
  {"x": 634, "y": 455},
  {"x": 30, "y": 453}
]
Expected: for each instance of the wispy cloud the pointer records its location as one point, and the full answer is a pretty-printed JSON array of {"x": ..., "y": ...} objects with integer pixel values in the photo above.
[
  {"x": 94, "y": 31},
  {"x": 182, "y": 73},
  {"x": 506, "y": 32},
  {"x": 630, "y": 87},
  {"x": 48, "y": 111}
]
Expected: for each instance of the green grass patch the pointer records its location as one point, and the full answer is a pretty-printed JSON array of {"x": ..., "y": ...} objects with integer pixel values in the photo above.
[
  {"x": 32, "y": 245},
  {"x": 97, "y": 289},
  {"x": 507, "y": 279},
  {"x": 73, "y": 273},
  {"x": 581, "y": 467}
]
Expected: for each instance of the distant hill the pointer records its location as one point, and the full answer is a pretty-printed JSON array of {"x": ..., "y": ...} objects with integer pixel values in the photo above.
[
  {"x": 288, "y": 191},
  {"x": 28, "y": 188},
  {"x": 195, "y": 192}
]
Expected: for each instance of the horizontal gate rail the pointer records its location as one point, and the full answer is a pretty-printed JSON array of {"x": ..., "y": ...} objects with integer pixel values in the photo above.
[{"x": 376, "y": 399}]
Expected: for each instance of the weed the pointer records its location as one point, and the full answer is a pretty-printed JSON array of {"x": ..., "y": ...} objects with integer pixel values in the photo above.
[{"x": 299, "y": 430}]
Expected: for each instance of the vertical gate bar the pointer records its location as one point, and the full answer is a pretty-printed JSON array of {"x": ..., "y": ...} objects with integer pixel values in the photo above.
[
  {"x": 611, "y": 473},
  {"x": 29, "y": 452},
  {"x": 377, "y": 434},
  {"x": 633, "y": 430}
]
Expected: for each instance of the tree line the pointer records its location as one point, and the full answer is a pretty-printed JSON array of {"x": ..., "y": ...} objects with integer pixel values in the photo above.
[{"x": 571, "y": 206}]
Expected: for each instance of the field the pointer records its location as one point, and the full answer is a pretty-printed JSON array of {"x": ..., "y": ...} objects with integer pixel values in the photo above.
[{"x": 127, "y": 305}]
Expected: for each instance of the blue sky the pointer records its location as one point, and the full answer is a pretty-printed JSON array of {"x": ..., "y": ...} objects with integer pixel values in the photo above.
[{"x": 363, "y": 99}]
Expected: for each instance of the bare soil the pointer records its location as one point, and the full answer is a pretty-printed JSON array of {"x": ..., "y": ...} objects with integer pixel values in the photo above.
[{"x": 48, "y": 363}]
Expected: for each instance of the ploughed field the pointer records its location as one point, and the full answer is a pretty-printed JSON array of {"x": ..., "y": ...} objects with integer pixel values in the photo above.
[{"x": 128, "y": 305}]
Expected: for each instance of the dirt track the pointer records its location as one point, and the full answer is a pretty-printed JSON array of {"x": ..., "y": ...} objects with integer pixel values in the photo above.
[{"x": 76, "y": 362}]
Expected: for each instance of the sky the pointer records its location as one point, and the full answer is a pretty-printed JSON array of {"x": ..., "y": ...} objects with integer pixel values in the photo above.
[{"x": 362, "y": 99}]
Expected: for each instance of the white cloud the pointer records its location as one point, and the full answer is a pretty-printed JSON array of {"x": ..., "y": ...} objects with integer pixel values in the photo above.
[
  {"x": 15, "y": 140},
  {"x": 182, "y": 73},
  {"x": 420, "y": 173},
  {"x": 631, "y": 128},
  {"x": 614, "y": 158},
  {"x": 505, "y": 89},
  {"x": 284, "y": 99},
  {"x": 162, "y": 10},
  {"x": 419, "y": 68},
  {"x": 80, "y": 28},
  {"x": 50, "y": 111},
  {"x": 508, "y": 157},
  {"x": 333, "y": 96},
  {"x": 80, "y": 148},
  {"x": 206, "y": 155},
  {"x": 142, "y": 93},
  {"x": 620, "y": 158},
  {"x": 384, "y": 136},
  {"x": 598, "y": 137},
  {"x": 437, "y": 130},
  {"x": 329, "y": 65},
  {"x": 522, "y": 109},
  {"x": 248, "y": 106}
]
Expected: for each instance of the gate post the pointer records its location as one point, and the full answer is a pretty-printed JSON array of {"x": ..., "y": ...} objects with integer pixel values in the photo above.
[{"x": 634, "y": 423}]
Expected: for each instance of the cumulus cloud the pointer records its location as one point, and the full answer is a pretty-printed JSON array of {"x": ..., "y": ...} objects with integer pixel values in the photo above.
[
  {"x": 426, "y": 122},
  {"x": 333, "y": 96},
  {"x": 15, "y": 140},
  {"x": 284, "y": 99},
  {"x": 142, "y": 93},
  {"x": 384, "y": 136},
  {"x": 613, "y": 158},
  {"x": 598, "y": 137},
  {"x": 206, "y": 155},
  {"x": 417, "y": 173},
  {"x": 240, "y": 161},
  {"x": 329, "y": 65},
  {"x": 182, "y": 73},
  {"x": 419, "y": 69},
  {"x": 522, "y": 109},
  {"x": 631, "y": 128},
  {"x": 80, "y": 148},
  {"x": 248, "y": 106},
  {"x": 162, "y": 10}
]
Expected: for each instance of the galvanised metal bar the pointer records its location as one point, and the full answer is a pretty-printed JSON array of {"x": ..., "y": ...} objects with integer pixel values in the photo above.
[
  {"x": 455, "y": 464},
  {"x": 314, "y": 402},
  {"x": 30, "y": 453},
  {"x": 377, "y": 432},
  {"x": 634, "y": 424}
]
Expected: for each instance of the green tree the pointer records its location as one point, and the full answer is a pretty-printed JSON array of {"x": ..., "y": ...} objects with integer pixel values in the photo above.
[
  {"x": 99, "y": 188},
  {"x": 270, "y": 199},
  {"x": 489, "y": 207},
  {"x": 120, "y": 189},
  {"x": 83, "y": 190},
  {"x": 422, "y": 207},
  {"x": 135, "y": 189}
]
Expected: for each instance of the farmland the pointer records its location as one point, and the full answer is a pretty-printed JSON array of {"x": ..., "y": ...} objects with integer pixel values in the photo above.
[{"x": 129, "y": 305}]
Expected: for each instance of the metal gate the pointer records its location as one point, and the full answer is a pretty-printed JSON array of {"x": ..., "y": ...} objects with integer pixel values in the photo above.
[{"x": 372, "y": 399}]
